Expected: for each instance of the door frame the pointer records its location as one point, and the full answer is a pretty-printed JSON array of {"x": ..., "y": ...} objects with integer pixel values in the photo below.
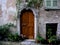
[{"x": 35, "y": 13}]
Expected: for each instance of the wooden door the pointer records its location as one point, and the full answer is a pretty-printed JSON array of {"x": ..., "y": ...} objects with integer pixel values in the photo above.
[{"x": 27, "y": 24}]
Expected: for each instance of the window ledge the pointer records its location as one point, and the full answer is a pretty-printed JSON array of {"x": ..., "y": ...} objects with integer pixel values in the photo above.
[{"x": 52, "y": 8}]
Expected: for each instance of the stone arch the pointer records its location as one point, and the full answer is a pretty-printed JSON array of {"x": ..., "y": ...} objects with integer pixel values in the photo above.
[{"x": 35, "y": 12}]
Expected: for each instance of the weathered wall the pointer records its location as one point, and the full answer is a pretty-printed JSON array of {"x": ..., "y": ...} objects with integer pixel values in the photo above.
[
  {"x": 51, "y": 16},
  {"x": 8, "y": 12}
]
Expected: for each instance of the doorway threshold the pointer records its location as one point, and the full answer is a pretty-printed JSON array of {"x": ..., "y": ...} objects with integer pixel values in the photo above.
[{"x": 30, "y": 40}]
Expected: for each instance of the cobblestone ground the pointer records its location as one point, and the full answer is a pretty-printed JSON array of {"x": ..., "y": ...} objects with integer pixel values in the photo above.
[
  {"x": 30, "y": 44},
  {"x": 26, "y": 42},
  {"x": 18, "y": 43}
]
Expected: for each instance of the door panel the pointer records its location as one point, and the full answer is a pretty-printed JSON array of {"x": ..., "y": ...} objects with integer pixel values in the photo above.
[
  {"x": 31, "y": 25},
  {"x": 27, "y": 24}
]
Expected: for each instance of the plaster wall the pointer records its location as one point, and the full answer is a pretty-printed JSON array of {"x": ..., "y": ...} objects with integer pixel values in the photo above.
[{"x": 8, "y": 12}]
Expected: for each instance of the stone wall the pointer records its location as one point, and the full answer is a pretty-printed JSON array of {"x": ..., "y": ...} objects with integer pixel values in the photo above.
[
  {"x": 8, "y": 12},
  {"x": 50, "y": 16}
]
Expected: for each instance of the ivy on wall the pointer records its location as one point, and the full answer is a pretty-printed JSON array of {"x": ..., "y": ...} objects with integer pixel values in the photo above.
[
  {"x": 35, "y": 3},
  {"x": 18, "y": 2},
  {"x": 32, "y": 3}
]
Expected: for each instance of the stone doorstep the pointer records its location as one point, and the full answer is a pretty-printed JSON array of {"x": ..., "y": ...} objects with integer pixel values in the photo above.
[
  {"x": 29, "y": 42},
  {"x": 26, "y": 42}
]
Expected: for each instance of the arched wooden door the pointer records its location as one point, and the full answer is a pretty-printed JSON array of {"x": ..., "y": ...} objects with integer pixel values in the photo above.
[{"x": 27, "y": 24}]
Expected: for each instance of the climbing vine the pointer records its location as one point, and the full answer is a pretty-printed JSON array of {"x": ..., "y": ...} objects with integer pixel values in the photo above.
[
  {"x": 18, "y": 2},
  {"x": 35, "y": 3},
  {"x": 32, "y": 3}
]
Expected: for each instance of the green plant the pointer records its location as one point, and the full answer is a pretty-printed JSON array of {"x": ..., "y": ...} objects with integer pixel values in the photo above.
[
  {"x": 52, "y": 39},
  {"x": 10, "y": 37},
  {"x": 14, "y": 37},
  {"x": 6, "y": 35},
  {"x": 39, "y": 38},
  {"x": 4, "y": 30},
  {"x": 18, "y": 2},
  {"x": 49, "y": 33},
  {"x": 35, "y": 3}
]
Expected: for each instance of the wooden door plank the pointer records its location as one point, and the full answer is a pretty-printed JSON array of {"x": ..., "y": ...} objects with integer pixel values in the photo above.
[{"x": 27, "y": 24}]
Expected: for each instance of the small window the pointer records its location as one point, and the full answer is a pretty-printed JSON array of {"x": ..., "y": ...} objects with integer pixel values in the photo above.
[
  {"x": 54, "y": 2},
  {"x": 50, "y": 3}
]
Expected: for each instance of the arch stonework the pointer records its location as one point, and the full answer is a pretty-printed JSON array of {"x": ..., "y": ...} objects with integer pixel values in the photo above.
[{"x": 35, "y": 12}]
